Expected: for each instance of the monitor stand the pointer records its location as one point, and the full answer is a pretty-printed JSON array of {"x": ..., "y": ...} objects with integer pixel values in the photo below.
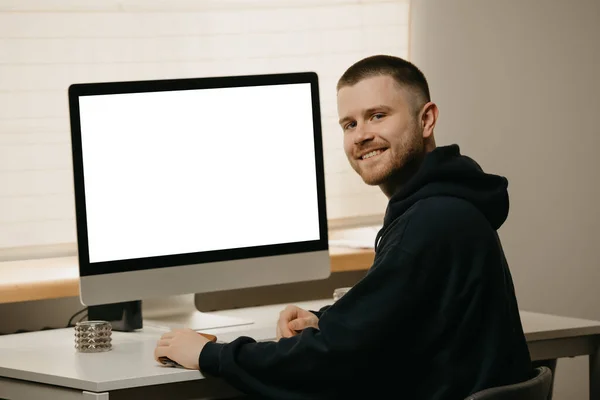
[
  {"x": 197, "y": 321},
  {"x": 180, "y": 312},
  {"x": 171, "y": 313}
]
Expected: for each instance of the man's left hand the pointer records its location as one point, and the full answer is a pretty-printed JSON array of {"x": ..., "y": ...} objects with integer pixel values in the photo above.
[{"x": 182, "y": 346}]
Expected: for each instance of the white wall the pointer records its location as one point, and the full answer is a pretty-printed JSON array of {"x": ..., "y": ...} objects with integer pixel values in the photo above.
[
  {"x": 47, "y": 45},
  {"x": 518, "y": 88}
]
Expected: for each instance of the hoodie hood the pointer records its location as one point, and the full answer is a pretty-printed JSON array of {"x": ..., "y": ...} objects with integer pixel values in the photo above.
[{"x": 446, "y": 172}]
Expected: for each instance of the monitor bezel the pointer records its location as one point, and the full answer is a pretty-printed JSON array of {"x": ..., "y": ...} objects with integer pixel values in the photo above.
[{"x": 87, "y": 268}]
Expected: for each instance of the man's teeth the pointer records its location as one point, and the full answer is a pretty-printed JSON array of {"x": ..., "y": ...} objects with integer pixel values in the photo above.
[{"x": 371, "y": 154}]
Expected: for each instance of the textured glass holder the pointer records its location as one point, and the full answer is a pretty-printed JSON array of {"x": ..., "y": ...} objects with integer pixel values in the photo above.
[{"x": 93, "y": 336}]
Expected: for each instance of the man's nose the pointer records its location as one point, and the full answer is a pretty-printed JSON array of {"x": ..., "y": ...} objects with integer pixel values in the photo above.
[{"x": 363, "y": 134}]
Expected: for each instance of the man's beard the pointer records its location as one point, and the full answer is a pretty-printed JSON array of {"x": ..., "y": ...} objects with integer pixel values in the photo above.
[{"x": 407, "y": 159}]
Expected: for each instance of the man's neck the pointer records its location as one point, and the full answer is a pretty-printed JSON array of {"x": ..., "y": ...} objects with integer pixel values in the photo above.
[
  {"x": 389, "y": 189},
  {"x": 401, "y": 178}
]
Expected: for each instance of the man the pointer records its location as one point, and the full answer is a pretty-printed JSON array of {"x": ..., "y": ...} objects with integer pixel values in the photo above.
[{"x": 436, "y": 315}]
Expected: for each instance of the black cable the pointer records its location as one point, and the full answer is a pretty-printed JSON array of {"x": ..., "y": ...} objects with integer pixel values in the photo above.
[
  {"x": 82, "y": 318},
  {"x": 74, "y": 315}
]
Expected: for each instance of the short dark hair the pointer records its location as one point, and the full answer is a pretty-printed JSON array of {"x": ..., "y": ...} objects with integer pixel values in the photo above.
[{"x": 405, "y": 73}]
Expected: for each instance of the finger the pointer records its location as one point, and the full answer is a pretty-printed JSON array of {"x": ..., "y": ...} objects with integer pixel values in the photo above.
[
  {"x": 288, "y": 313},
  {"x": 301, "y": 323},
  {"x": 296, "y": 325},
  {"x": 284, "y": 329},
  {"x": 279, "y": 333},
  {"x": 163, "y": 342},
  {"x": 287, "y": 309},
  {"x": 168, "y": 335},
  {"x": 160, "y": 352}
]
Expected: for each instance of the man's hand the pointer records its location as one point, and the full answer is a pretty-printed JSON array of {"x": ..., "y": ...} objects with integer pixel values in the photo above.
[
  {"x": 294, "y": 319},
  {"x": 182, "y": 346}
]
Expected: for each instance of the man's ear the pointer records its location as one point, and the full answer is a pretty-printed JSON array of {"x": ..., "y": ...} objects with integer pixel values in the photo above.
[{"x": 428, "y": 118}]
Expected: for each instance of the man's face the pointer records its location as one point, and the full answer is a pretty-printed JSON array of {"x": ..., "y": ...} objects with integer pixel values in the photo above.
[{"x": 381, "y": 134}]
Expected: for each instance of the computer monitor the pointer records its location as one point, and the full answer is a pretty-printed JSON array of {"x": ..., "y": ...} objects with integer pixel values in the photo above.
[{"x": 197, "y": 185}]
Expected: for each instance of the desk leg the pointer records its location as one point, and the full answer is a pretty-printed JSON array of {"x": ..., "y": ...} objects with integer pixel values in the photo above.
[{"x": 595, "y": 375}]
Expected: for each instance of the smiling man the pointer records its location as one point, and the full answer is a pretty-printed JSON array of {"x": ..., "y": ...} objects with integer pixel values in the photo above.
[
  {"x": 436, "y": 316},
  {"x": 387, "y": 120}
]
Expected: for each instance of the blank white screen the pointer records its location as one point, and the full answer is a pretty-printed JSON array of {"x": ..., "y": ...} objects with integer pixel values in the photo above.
[{"x": 196, "y": 170}]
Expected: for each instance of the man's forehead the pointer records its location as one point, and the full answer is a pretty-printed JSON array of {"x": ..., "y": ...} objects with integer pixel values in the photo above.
[{"x": 367, "y": 94}]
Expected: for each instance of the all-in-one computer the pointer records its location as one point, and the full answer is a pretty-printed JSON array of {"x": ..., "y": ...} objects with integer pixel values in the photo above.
[{"x": 197, "y": 185}]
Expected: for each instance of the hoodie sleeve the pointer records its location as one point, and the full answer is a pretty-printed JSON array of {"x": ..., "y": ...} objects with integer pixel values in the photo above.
[
  {"x": 320, "y": 312},
  {"x": 350, "y": 332}
]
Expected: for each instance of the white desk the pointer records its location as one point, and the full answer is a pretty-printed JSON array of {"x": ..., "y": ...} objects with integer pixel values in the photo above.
[{"x": 45, "y": 365}]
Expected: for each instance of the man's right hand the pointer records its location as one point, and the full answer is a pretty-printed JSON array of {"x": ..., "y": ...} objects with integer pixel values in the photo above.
[{"x": 294, "y": 319}]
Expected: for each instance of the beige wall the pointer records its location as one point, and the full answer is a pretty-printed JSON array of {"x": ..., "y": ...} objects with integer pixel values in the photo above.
[{"x": 518, "y": 86}]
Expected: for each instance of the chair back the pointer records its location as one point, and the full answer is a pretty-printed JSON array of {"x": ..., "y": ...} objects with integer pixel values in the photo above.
[{"x": 536, "y": 388}]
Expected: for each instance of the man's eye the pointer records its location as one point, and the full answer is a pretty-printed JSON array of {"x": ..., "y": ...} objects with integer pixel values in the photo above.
[
  {"x": 377, "y": 116},
  {"x": 350, "y": 125}
]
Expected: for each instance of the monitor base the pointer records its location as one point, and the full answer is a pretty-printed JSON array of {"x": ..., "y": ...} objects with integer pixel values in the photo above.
[{"x": 198, "y": 321}]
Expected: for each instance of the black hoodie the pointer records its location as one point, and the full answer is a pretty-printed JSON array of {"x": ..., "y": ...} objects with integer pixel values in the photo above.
[{"x": 434, "y": 318}]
